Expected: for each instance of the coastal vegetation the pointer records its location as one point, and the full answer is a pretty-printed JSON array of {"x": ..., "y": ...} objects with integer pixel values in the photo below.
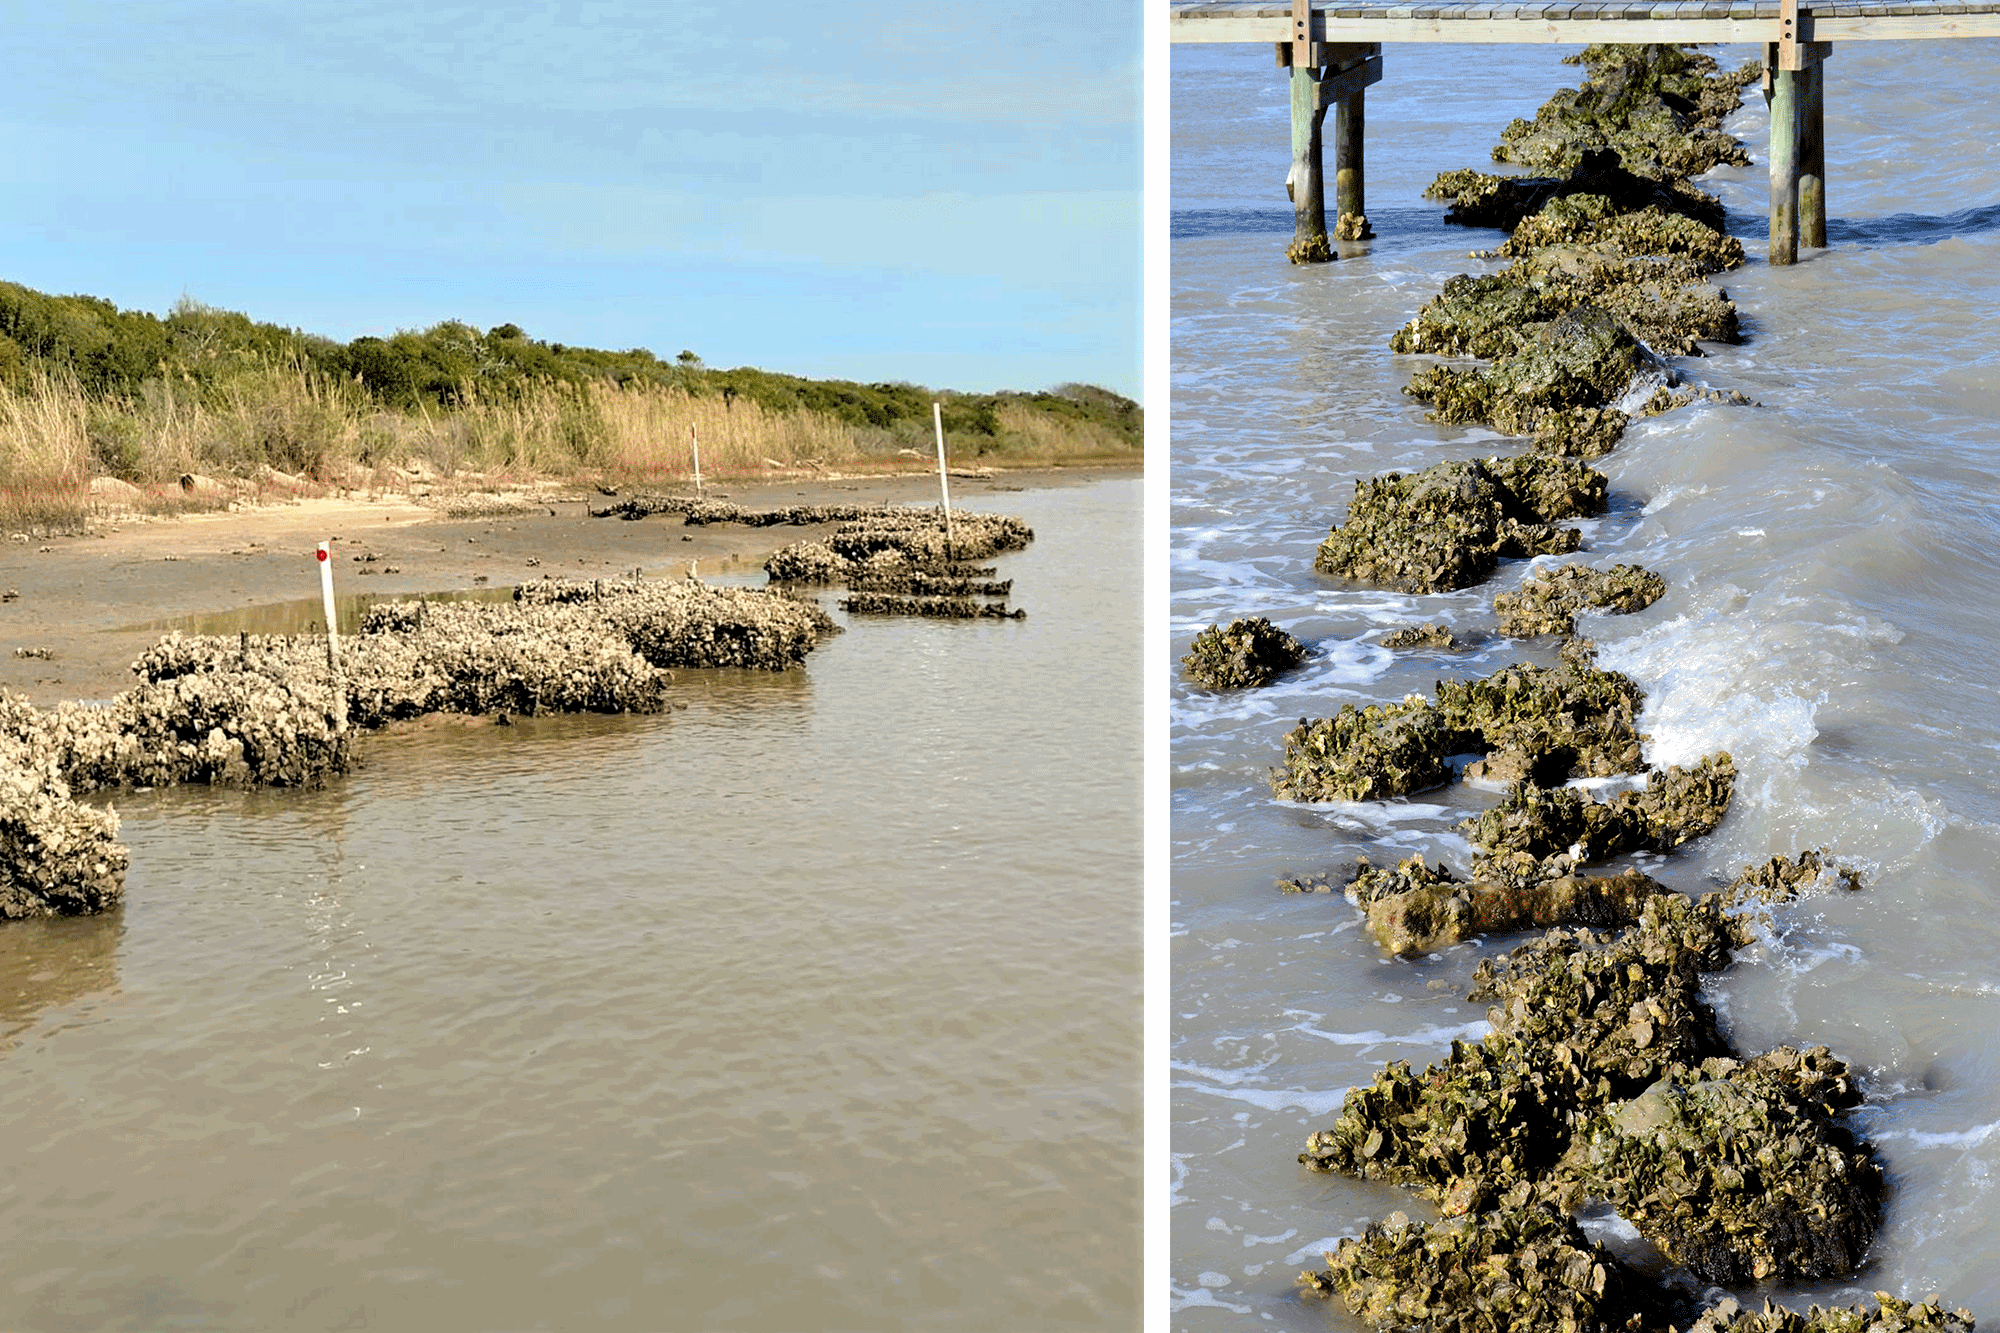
[{"x": 237, "y": 406}]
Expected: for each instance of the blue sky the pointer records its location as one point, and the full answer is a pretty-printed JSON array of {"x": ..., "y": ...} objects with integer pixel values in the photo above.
[{"x": 943, "y": 193}]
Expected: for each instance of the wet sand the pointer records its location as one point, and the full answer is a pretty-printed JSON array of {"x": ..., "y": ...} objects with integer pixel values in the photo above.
[{"x": 93, "y": 602}]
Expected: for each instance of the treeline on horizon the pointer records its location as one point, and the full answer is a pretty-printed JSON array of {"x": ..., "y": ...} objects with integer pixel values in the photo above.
[{"x": 280, "y": 398}]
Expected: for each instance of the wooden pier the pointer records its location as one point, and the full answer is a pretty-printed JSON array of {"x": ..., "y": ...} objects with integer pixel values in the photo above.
[{"x": 1334, "y": 51}]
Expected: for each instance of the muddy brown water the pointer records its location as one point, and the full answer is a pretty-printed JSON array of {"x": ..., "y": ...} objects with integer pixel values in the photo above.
[
  {"x": 815, "y": 1005},
  {"x": 1829, "y": 620}
]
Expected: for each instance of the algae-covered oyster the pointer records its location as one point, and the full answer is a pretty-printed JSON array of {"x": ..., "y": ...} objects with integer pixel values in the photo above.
[
  {"x": 1521, "y": 1267},
  {"x": 1449, "y": 525},
  {"x": 1734, "y": 1174},
  {"x": 1243, "y": 653},
  {"x": 1549, "y": 599},
  {"x": 1673, "y": 807},
  {"x": 1365, "y": 754}
]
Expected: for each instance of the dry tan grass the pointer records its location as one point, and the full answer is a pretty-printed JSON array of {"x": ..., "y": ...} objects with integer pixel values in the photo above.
[
  {"x": 44, "y": 455},
  {"x": 285, "y": 429}
]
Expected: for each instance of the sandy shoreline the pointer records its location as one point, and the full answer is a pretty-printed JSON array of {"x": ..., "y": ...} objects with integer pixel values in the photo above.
[{"x": 88, "y": 600}]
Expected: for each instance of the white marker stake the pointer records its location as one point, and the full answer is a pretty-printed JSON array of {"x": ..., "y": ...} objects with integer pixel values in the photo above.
[
  {"x": 694, "y": 440},
  {"x": 325, "y": 555},
  {"x": 944, "y": 487},
  {"x": 326, "y": 592}
]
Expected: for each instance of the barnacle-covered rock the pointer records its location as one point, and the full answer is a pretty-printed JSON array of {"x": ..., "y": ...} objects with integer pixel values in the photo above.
[
  {"x": 1673, "y": 806},
  {"x": 1547, "y": 723},
  {"x": 1449, "y": 525},
  {"x": 1549, "y": 598},
  {"x": 1890, "y": 1315},
  {"x": 1492, "y": 1116},
  {"x": 1365, "y": 754},
  {"x": 1525, "y": 1266},
  {"x": 1579, "y": 432},
  {"x": 1244, "y": 653},
  {"x": 1734, "y": 1174}
]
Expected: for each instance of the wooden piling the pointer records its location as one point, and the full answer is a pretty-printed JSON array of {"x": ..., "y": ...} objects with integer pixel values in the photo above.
[
  {"x": 1786, "y": 122},
  {"x": 1812, "y": 158},
  {"x": 1350, "y": 209},
  {"x": 1309, "y": 242}
]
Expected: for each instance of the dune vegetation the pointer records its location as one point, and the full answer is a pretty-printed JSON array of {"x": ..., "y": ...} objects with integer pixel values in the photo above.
[{"x": 204, "y": 405}]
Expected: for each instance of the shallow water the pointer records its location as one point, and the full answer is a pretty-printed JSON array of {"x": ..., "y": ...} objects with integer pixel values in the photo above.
[
  {"x": 1829, "y": 621},
  {"x": 812, "y": 1006}
]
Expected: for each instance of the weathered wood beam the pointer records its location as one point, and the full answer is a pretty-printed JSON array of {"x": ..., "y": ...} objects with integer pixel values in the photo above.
[{"x": 1233, "y": 27}]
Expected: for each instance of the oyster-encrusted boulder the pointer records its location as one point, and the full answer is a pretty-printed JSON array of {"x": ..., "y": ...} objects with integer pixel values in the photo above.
[
  {"x": 1586, "y": 358},
  {"x": 1449, "y": 525},
  {"x": 1417, "y": 910},
  {"x": 1485, "y": 317},
  {"x": 1782, "y": 879},
  {"x": 1548, "y": 723},
  {"x": 1890, "y": 1315},
  {"x": 1593, "y": 222},
  {"x": 918, "y": 537},
  {"x": 1244, "y": 653},
  {"x": 58, "y": 857},
  {"x": 1674, "y": 806},
  {"x": 1430, "y": 634},
  {"x": 1365, "y": 754},
  {"x": 1490, "y": 1117},
  {"x": 1657, "y": 106},
  {"x": 1549, "y": 598},
  {"x": 1520, "y": 1267},
  {"x": 1621, "y": 1008},
  {"x": 1734, "y": 1175}
]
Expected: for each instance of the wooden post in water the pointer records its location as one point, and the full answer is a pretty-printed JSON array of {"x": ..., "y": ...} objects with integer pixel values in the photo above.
[
  {"x": 1349, "y": 207},
  {"x": 1812, "y": 158},
  {"x": 694, "y": 443},
  {"x": 1785, "y": 119},
  {"x": 1308, "y": 181}
]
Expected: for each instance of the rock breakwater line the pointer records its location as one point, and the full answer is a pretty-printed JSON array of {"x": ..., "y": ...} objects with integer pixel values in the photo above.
[
  {"x": 1605, "y": 1075},
  {"x": 266, "y": 709}
]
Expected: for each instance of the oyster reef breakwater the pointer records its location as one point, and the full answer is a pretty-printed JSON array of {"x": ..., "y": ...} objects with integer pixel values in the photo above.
[
  {"x": 1793, "y": 556},
  {"x": 751, "y": 1015}
]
